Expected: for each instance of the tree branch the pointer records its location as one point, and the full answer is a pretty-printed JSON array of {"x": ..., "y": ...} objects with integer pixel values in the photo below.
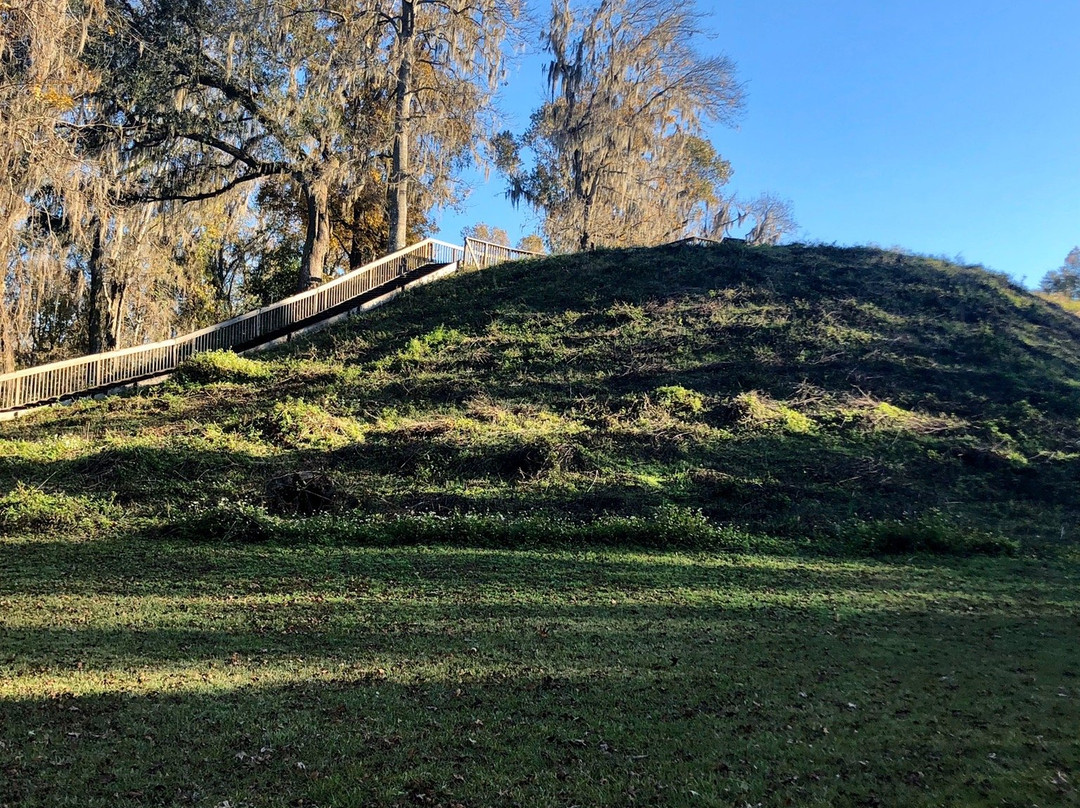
[{"x": 180, "y": 197}]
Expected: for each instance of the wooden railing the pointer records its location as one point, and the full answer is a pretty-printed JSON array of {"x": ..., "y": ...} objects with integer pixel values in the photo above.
[
  {"x": 100, "y": 371},
  {"x": 484, "y": 254},
  {"x": 702, "y": 241}
]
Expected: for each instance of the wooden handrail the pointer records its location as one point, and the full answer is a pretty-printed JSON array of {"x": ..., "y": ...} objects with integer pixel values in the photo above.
[
  {"x": 70, "y": 377},
  {"x": 703, "y": 241},
  {"x": 483, "y": 254}
]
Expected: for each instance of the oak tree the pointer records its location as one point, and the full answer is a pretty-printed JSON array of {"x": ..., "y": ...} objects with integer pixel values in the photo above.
[{"x": 446, "y": 57}]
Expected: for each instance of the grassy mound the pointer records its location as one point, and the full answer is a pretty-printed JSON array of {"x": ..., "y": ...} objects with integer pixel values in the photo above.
[
  {"x": 812, "y": 395},
  {"x": 389, "y": 566}
]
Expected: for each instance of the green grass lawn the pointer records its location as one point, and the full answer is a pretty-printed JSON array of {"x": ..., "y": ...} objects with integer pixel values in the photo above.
[{"x": 142, "y": 672}]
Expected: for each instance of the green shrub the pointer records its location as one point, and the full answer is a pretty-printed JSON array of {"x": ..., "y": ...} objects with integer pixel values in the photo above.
[
  {"x": 933, "y": 533},
  {"x": 756, "y": 410},
  {"x": 678, "y": 399},
  {"x": 300, "y": 424},
  {"x": 625, "y": 311},
  {"x": 306, "y": 493},
  {"x": 430, "y": 343},
  {"x": 529, "y": 456},
  {"x": 29, "y": 508},
  {"x": 228, "y": 520},
  {"x": 221, "y": 366}
]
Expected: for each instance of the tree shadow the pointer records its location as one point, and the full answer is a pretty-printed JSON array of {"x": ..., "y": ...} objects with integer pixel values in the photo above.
[
  {"x": 141, "y": 566},
  {"x": 788, "y": 485}
]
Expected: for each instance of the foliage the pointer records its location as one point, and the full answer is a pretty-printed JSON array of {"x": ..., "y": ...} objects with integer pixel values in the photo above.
[
  {"x": 300, "y": 424},
  {"x": 430, "y": 343},
  {"x": 772, "y": 219},
  {"x": 782, "y": 393},
  {"x": 30, "y": 509},
  {"x": 755, "y": 410},
  {"x": 445, "y": 61},
  {"x": 680, "y": 399},
  {"x": 531, "y": 242},
  {"x": 226, "y": 520},
  {"x": 273, "y": 275},
  {"x": 376, "y": 622},
  {"x": 168, "y": 163},
  {"x": 222, "y": 366},
  {"x": 484, "y": 232},
  {"x": 619, "y": 153},
  {"x": 230, "y": 97},
  {"x": 670, "y": 527},
  {"x": 1065, "y": 280},
  {"x": 81, "y": 269},
  {"x": 934, "y": 533}
]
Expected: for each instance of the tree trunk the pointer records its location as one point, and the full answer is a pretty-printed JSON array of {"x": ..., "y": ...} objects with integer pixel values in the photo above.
[
  {"x": 403, "y": 96},
  {"x": 7, "y": 340},
  {"x": 317, "y": 235},
  {"x": 223, "y": 280},
  {"x": 115, "y": 308},
  {"x": 586, "y": 197},
  {"x": 585, "y": 242},
  {"x": 95, "y": 263}
]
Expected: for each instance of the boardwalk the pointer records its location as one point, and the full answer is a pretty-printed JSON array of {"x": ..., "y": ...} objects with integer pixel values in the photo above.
[{"x": 360, "y": 288}]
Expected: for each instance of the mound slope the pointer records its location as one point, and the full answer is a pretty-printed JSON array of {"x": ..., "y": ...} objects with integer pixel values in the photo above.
[{"x": 794, "y": 392}]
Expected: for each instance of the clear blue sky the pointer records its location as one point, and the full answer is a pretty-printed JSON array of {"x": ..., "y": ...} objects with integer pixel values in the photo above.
[{"x": 949, "y": 128}]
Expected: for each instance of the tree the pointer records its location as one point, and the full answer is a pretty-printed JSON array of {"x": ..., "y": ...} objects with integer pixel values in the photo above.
[
  {"x": 240, "y": 93},
  {"x": 446, "y": 56},
  {"x": 532, "y": 243},
  {"x": 165, "y": 161},
  {"x": 224, "y": 96},
  {"x": 773, "y": 219},
  {"x": 619, "y": 152},
  {"x": 42, "y": 82},
  {"x": 484, "y": 232},
  {"x": 1065, "y": 280}
]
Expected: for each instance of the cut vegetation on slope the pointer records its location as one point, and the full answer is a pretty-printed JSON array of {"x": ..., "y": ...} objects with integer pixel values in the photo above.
[
  {"x": 635, "y": 527},
  {"x": 812, "y": 396}
]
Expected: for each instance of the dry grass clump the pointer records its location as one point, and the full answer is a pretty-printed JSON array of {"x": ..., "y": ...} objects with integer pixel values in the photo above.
[
  {"x": 758, "y": 411},
  {"x": 881, "y": 416}
]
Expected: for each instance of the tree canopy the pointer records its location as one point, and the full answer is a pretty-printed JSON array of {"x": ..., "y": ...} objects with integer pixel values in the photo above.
[
  {"x": 1065, "y": 280},
  {"x": 169, "y": 163},
  {"x": 618, "y": 153}
]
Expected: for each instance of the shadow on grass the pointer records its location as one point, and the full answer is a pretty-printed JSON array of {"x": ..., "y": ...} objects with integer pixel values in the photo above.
[
  {"x": 546, "y": 704},
  {"x": 804, "y": 487},
  {"x": 587, "y": 339},
  {"x": 954, "y": 318},
  {"x": 134, "y": 566}
]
